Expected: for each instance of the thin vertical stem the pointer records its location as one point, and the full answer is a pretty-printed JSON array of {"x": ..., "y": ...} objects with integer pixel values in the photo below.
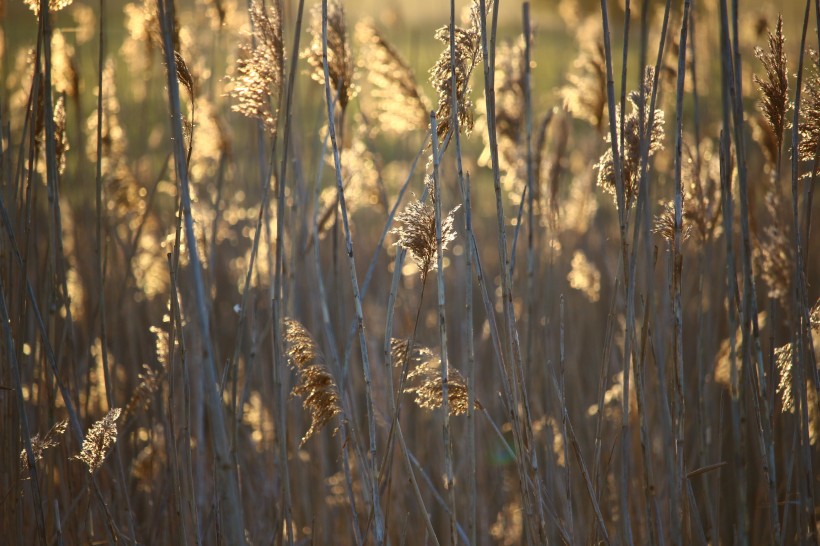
[{"x": 379, "y": 523}]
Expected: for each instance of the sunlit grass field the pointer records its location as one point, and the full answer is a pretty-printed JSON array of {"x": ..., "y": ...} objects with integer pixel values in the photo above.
[{"x": 285, "y": 272}]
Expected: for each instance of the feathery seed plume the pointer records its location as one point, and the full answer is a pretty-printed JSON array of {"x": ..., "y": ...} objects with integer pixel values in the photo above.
[
  {"x": 584, "y": 94},
  {"x": 634, "y": 135},
  {"x": 53, "y": 5},
  {"x": 665, "y": 221},
  {"x": 467, "y": 56},
  {"x": 39, "y": 445},
  {"x": 810, "y": 119},
  {"x": 775, "y": 88},
  {"x": 316, "y": 386},
  {"x": 416, "y": 231},
  {"x": 774, "y": 250},
  {"x": 510, "y": 89},
  {"x": 259, "y": 67},
  {"x": 339, "y": 58},
  {"x": 701, "y": 172},
  {"x": 98, "y": 442},
  {"x": 424, "y": 380},
  {"x": 398, "y": 102}
]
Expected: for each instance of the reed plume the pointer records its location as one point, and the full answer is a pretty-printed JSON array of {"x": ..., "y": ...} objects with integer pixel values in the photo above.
[
  {"x": 467, "y": 56},
  {"x": 665, "y": 221},
  {"x": 584, "y": 95},
  {"x": 510, "y": 86},
  {"x": 774, "y": 251},
  {"x": 424, "y": 380},
  {"x": 98, "y": 442},
  {"x": 774, "y": 88},
  {"x": 53, "y": 5},
  {"x": 259, "y": 67},
  {"x": 585, "y": 277},
  {"x": 416, "y": 231},
  {"x": 339, "y": 57},
  {"x": 722, "y": 364},
  {"x": 784, "y": 357},
  {"x": 810, "y": 119},
  {"x": 60, "y": 136},
  {"x": 634, "y": 135},
  {"x": 149, "y": 382},
  {"x": 398, "y": 102},
  {"x": 701, "y": 172},
  {"x": 316, "y": 386},
  {"x": 40, "y": 444}
]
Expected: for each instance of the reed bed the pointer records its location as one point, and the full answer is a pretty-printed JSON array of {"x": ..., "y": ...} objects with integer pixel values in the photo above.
[{"x": 280, "y": 272}]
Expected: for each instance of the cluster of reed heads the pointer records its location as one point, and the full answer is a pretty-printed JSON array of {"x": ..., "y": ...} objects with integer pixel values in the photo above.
[{"x": 262, "y": 282}]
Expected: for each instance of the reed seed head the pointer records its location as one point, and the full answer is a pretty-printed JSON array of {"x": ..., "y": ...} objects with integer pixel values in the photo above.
[
  {"x": 316, "y": 386},
  {"x": 98, "y": 442},
  {"x": 416, "y": 232},
  {"x": 259, "y": 67},
  {"x": 584, "y": 95},
  {"x": 40, "y": 444},
  {"x": 424, "y": 379},
  {"x": 775, "y": 87},
  {"x": 467, "y": 45},
  {"x": 634, "y": 135},
  {"x": 397, "y": 101},
  {"x": 339, "y": 57}
]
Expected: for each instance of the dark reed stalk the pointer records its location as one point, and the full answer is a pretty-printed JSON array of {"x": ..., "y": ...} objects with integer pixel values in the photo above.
[
  {"x": 228, "y": 490},
  {"x": 379, "y": 523},
  {"x": 677, "y": 270}
]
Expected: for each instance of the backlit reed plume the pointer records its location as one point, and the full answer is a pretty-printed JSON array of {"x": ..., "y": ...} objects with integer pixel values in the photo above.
[
  {"x": 65, "y": 78},
  {"x": 424, "y": 379},
  {"x": 149, "y": 382},
  {"x": 665, "y": 221},
  {"x": 339, "y": 57},
  {"x": 398, "y": 104},
  {"x": 723, "y": 365},
  {"x": 416, "y": 231},
  {"x": 701, "y": 174},
  {"x": 585, "y": 277},
  {"x": 547, "y": 170},
  {"x": 510, "y": 87},
  {"x": 784, "y": 356},
  {"x": 467, "y": 56},
  {"x": 184, "y": 74},
  {"x": 98, "y": 442},
  {"x": 810, "y": 118},
  {"x": 774, "y": 250},
  {"x": 53, "y": 5},
  {"x": 634, "y": 135},
  {"x": 259, "y": 67},
  {"x": 316, "y": 386},
  {"x": 61, "y": 145},
  {"x": 774, "y": 89},
  {"x": 125, "y": 197},
  {"x": 60, "y": 137},
  {"x": 584, "y": 94},
  {"x": 40, "y": 444}
]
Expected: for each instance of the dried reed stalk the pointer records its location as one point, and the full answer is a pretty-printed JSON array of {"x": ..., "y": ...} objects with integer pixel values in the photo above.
[
  {"x": 342, "y": 92},
  {"x": 228, "y": 490}
]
